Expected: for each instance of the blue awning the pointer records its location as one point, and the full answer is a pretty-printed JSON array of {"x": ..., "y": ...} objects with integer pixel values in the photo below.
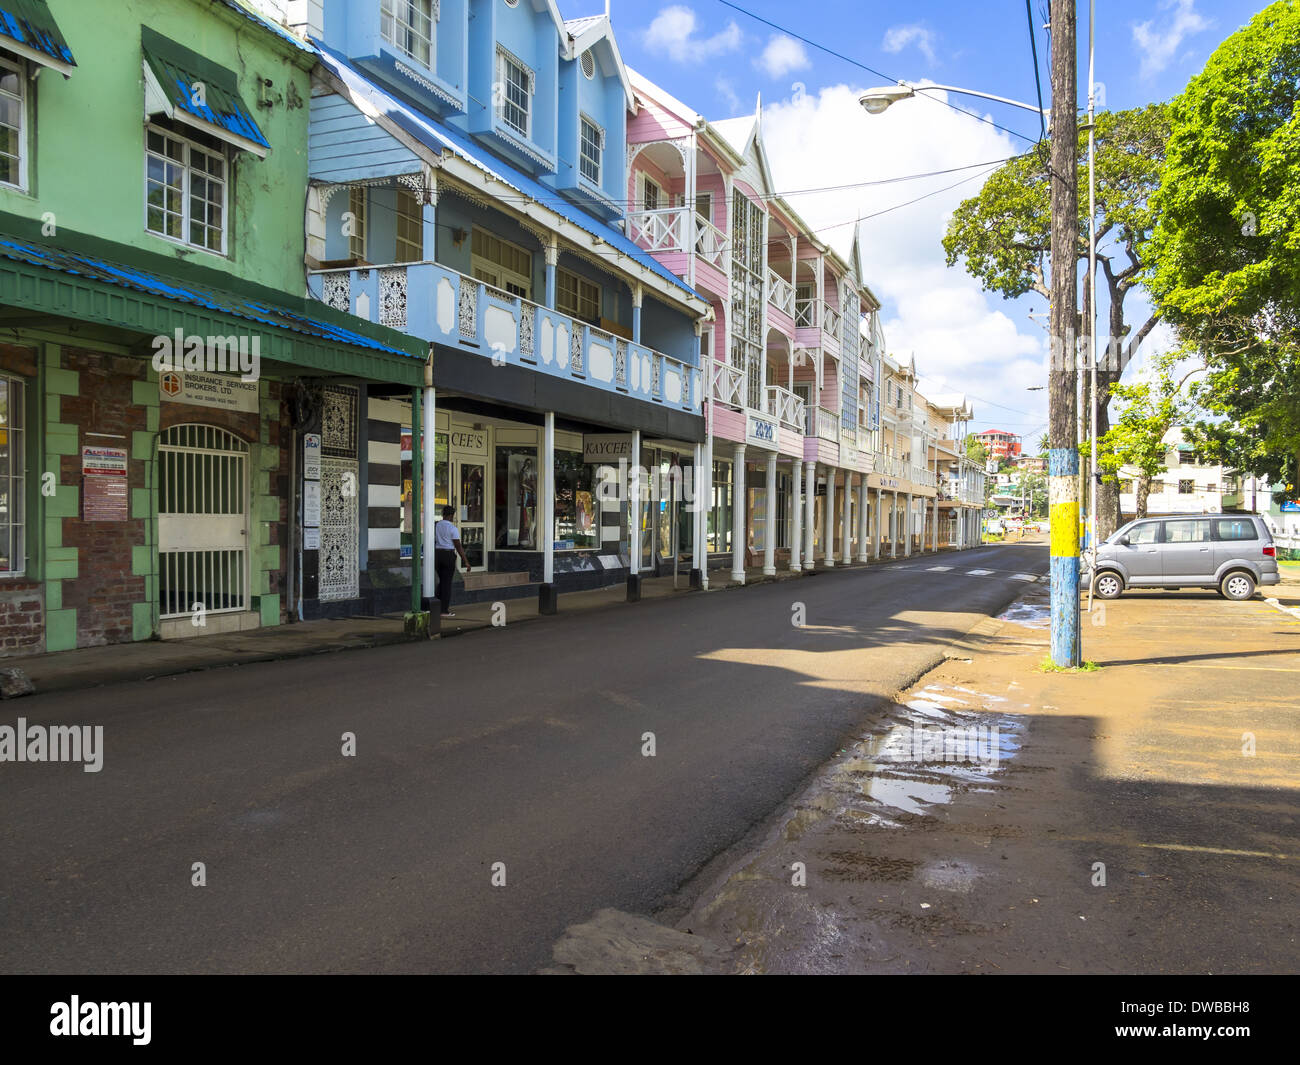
[
  {"x": 28, "y": 28},
  {"x": 211, "y": 299},
  {"x": 443, "y": 138}
]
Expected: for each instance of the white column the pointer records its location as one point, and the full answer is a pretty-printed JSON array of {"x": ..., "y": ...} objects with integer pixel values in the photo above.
[
  {"x": 429, "y": 576},
  {"x": 907, "y": 528},
  {"x": 863, "y": 496},
  {"x": 634, "y": 505},
  {"x": 796, "y": 516},
  {"x": 698, "y": 494},
  {"x": 810, "y": 521},
  {"x": 738, "y": 515},
  {"x": 828, "y": 522},
  {"x": 769, "y": 535},
  {"x": 548, "y": 499},
  {"x": 893, "y": 525},
  {"x": 880, "y": 504},
  {"x": 846, "y": 521},
  {"x": 934, "y": 531}
]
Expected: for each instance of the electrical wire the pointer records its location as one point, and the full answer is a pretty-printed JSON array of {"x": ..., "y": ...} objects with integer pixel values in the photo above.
[
  {"x": 870, "y": 70},
  {"x": 1038, "y": 82}
]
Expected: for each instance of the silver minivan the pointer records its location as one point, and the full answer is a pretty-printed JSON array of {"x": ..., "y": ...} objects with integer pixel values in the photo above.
[{"x": 1231, "y": 552}]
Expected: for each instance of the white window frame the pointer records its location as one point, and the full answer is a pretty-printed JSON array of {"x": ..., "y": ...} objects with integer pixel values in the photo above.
[
  {"x": 506, "y": 60},
  {"x": 16, "y": 483},
  {"x": 19, "y": 67},
  {"x": 227, "y": 170},
  {"x": 359, "y": 208},
  {"x": 661, "y": 197},
  {"x": 579, "y": 281},
  {"x": 497, "y": 275},
  {"x": 417, "y": 218},
  {"x": 389, "y": 24},
  {"x": 599, "y": 160}
]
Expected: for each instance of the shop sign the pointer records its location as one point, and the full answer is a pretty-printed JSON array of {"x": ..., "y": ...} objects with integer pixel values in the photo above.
[
  {"x": 208, "y": 390},
  {"x": 760, "y": 431},
  {"x": 467, "y": 440},
  {"x": 311, "y": 457},
  {"x": 606, "y": 447}
]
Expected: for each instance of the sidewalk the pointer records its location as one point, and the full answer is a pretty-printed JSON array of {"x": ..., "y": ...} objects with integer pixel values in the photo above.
[
  {"x": 1139, "y": 818},
  {"x": 91, "y": 667}
]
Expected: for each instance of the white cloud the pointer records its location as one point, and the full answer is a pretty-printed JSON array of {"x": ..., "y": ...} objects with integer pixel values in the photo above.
[
  {"x": 726, "y": 89},
  {"x": 782, "y": 55},
  {"x": 965, "y": 340},
  {"x": 899, "y": 37},
  {"x": 673, "y": 33},
  {"x": 1157, "y": 44}
]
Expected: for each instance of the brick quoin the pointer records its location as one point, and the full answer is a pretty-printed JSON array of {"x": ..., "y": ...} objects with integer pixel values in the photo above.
[{"x": 105, "y": 588}]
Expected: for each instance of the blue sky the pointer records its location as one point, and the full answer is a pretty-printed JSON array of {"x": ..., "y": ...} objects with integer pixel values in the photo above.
[{"x": 717, "y": 60}]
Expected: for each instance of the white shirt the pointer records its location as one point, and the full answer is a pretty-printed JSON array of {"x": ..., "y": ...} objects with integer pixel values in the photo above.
[{"x": 444, "y": 532}]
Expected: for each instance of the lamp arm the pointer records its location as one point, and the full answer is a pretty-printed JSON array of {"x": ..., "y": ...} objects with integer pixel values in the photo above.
[{"x": 983, "y": 95}]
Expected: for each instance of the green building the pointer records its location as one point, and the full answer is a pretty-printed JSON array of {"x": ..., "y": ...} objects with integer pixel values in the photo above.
[{"x": 183, "y": 430}]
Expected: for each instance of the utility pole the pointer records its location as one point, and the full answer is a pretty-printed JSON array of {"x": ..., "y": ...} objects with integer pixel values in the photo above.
[{"x": 1063, "y": 452}]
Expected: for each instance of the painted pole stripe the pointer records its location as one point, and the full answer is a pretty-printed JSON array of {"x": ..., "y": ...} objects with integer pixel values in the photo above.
[{"x": 1063, "y": 496}]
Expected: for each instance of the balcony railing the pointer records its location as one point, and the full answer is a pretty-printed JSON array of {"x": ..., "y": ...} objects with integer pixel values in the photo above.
[
  {"x": 780, "y": 293},
  {"x": 805, "y": 313},
  {"x": 828, "y": 425},
  {"x": 661, "y": 230},
  {"x": 728, "y": 385},
  {"x": 711, "y": 243},
  {"x": 831, "y": 322},
  {"x": 434, "y": 303},
  {"x": 785, "y": 406}
]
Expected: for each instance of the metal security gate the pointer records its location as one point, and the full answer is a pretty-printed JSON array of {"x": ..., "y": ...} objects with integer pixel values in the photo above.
[{"x": 202, "y": 521}]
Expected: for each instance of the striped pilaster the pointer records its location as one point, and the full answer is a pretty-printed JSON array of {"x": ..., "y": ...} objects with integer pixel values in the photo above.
[
  {"x": 385, "y": 419},
  {"x": 1063, "y": 496}
]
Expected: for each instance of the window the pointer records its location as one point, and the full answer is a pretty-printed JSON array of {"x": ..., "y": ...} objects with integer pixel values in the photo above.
[
  {"x": 502, "y": 265},
  {"x": 575, "y": 506},
  {"x": 590, "y": 150},
  {"x": 576, "y": 296},
  {"x": 516, "y": 506},
  {"x": 410, "y": 228},
  {"x": 13, "y": 125},
  {"x": 515, "y": 108},
  {"x": 719, "y": 538},
  {"x": 1186, "y": 488},
  {"x": 1235, "y": 529},
  {"x": 704, "y": 206},
  {"x": 13, "y": 541},
  {"x": 185, "y": 190},
  {"x": 1146, "y": 533},
  {"x": 356, "y": 226},
  {"x": 651, "y": 194},
  {"x": 1187, "y": 532},
  {"x": 408, "y": 26}
]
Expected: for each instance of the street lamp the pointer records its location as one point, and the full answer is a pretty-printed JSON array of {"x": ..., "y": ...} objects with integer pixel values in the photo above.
[{"x": 878, "y": 100}]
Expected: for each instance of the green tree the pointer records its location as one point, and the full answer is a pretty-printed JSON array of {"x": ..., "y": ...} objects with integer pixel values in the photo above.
[
  {"x": 1224, "y": 258},
  {"x": 975, "y": 451},
  {"x": 1151, "y": 407},
  {"x": 1003, "y": 235}
]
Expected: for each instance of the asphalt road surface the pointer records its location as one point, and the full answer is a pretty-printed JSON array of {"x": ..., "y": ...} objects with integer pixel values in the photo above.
[{"x": 521, "y": 746}]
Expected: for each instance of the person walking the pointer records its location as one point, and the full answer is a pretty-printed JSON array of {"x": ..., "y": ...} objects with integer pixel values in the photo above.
[{"x": 446, "y": 546}]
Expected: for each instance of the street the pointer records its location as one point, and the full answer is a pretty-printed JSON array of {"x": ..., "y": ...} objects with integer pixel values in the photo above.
[{"x": 522, "y": 747}]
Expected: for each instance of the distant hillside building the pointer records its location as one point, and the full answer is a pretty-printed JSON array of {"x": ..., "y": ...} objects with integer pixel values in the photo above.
[{"x": 999, "y": 444}]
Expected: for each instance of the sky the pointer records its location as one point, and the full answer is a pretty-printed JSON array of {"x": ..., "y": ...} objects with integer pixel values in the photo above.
[{"x": 719, "y": 59}]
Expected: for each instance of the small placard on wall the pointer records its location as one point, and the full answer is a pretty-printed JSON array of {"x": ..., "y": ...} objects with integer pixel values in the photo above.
[
  {"x": 311, "y": 538},
  {"x": 311, "y": 457},
  {"x": 311, "y": 503},
  {"x": 104, "y": 498}
]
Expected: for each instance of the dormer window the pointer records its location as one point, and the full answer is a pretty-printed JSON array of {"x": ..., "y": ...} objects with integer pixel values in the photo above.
[
  {"x": 408, "y": 26},
  {"x": 514, "y": 94},
  {"x": 591, "y": 150}
]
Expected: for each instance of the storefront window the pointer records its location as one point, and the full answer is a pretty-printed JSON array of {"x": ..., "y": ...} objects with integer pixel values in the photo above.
[
  {"x": 575, "y": 501},
  {"x": 516, "y": 498},
  {"x": 720, "y": 511}
]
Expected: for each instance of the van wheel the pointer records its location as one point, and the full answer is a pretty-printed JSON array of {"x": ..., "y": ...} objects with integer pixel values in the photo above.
[
  {"x": 1108, "y": 585},
  {"x": 1237, "y": 586}
]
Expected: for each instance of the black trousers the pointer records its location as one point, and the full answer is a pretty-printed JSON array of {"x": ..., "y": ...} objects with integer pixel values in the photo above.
[{"x": 444, "y": 566}]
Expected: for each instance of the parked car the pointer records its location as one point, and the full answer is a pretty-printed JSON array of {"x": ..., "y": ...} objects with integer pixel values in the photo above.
[{"x": 1231, "y": 552}]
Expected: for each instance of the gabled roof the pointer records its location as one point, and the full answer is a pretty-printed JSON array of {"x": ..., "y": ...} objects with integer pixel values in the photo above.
[
  {"x": 383, "y": 108},
  {"x": 745, "y": 136},
  {"x": 580, "y": 34}
]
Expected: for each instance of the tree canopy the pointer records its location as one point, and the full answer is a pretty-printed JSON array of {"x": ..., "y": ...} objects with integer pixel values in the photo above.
[{"x": 1224, "y": 257}]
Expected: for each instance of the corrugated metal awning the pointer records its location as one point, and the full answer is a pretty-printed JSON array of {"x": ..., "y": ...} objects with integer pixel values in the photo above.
[
  {"x": 28, "y": 28},
  {"x": 188, "y": 88}
]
